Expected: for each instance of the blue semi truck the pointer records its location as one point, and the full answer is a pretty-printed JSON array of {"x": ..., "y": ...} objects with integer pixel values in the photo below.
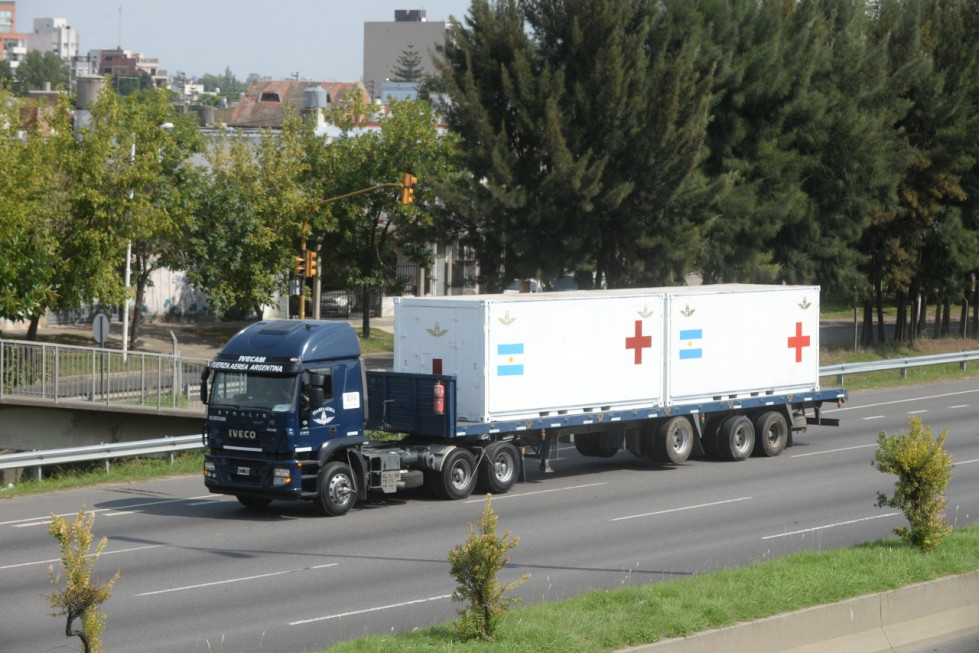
[{"x": 291, "y": 407}]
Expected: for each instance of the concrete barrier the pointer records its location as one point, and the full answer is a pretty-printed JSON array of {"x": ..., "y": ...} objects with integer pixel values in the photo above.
[{"x": 898, "y": 620}]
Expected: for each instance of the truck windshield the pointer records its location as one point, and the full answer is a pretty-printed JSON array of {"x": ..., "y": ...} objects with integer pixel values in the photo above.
[{"x": 275, "y": 393}]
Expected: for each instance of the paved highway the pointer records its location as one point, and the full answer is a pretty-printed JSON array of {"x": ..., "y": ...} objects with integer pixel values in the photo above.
[{"x": 201, "y": 573}]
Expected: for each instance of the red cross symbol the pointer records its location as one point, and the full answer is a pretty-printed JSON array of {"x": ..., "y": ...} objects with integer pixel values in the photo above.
[
  {"x": 798, "y": 341},
  {"x": 638, "y": 342}
]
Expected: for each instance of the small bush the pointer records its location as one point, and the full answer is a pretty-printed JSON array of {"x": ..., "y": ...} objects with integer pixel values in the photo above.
[
  {"x": 923, "y": 470},
  {"x": 474, "y": 566},
  {"x": 81, "y": 597}
]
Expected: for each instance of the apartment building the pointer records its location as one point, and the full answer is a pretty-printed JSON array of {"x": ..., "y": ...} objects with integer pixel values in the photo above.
[
  {"x": 13, "y": 44},
  {"x": 386, "y": 42},
  {"x": 54, "y": 35}
]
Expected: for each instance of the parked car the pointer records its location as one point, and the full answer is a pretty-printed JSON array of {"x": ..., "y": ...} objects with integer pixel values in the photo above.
[
  {"x": 336, "y": 303},
  {"x": 525, "y": 285}
]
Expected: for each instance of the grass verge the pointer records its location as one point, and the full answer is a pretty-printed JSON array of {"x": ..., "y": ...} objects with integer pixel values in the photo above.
[
  {"x": 121, "y": 470},
  {"x": 605, "y": 620}
]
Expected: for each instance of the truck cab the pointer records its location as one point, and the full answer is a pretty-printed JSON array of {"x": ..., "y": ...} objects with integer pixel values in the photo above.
[{"x": 281, "y": 395}]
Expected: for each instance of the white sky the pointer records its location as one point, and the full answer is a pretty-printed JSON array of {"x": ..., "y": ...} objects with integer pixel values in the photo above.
[{"x": 319, "y": 39}]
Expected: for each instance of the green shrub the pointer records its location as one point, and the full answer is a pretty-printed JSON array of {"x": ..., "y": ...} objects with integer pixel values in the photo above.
[
  {"x": 81, "y": 597},
  {"x": 923, "y": 471},
  {"x": 474, "y": 566}
]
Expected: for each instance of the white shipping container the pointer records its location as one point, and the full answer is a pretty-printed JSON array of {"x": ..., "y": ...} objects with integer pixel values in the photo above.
[
  {"x": 528, "y": 355},
  {"x": 735, "y": 341}
]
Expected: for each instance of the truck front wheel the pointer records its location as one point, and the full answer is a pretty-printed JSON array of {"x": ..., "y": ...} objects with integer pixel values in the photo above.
[
  {"x": 499, "y": 468},
  {"x": 336, "y": 491},
  {"x": 457, "y": 478}
]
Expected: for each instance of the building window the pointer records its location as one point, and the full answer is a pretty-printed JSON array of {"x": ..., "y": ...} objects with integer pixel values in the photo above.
[{"x": 6, "y": 21}]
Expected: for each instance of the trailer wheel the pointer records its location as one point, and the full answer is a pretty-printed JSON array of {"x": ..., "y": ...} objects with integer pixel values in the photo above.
[
  {"x": 674, "y": 440},
  {"x": 253, "y": 503},
  {"x": 336, "y": 493},
  {"x": 736, "y": 438},
  {"x": 458, "y": 476},
  {"x": 771, "y": 434},
  {"x": 499, "y": 468},
  {"x": 585, "y": 443}
]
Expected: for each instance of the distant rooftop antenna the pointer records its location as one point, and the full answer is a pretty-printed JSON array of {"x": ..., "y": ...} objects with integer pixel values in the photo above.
[{"x": 120, "y": 28}]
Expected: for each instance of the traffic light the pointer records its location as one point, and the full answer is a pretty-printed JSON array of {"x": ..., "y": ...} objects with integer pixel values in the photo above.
[
  {"x": 299, "y": 266},
  {"x": 311, "y": 263},
  {"x": 407, "y": 192}
]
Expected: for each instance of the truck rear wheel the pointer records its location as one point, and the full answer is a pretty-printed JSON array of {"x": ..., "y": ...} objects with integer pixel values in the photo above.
[
  {"x": 457, "y": 479},
  {"x": 336, "y": 491},
  {"x": 771, "y": 434},
  {"x": 674, "y": 441},
  {"x": 736, "y": 439},
  {"x": 499, "y": 468}
]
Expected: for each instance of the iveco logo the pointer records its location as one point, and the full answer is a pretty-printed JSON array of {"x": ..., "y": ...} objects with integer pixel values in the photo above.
[{"x": 240, "y": 433}]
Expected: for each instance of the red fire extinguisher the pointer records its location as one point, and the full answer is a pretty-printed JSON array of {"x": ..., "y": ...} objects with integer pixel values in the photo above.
[{"x": 438, "y": 396}]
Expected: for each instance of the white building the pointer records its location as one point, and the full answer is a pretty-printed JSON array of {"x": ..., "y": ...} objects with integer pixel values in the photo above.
[{"x": 54, "y": 35}]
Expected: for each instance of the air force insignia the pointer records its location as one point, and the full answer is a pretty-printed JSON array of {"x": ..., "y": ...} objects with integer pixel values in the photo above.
[{"x": 324, "y": 416}]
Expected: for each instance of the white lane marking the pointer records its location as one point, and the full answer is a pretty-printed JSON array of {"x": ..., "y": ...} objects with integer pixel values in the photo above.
[
  {"x": 500, "y": 497},
  {"x": 47, "y": 518},
  {"x": 874, "y": 417},
  {"x": 367, "y": 610},
  {"x": 900, "y": 401},
  {"x": 233, "y": 580},
  {"x": 819, "y": 528},
  {"x": 915, "y": 412},
  {"x": 105, "y": 553},
  {"x": 965, "y": 462},
  {"x": 820, "y": 453},
  {"x": 663, "y": 512}
]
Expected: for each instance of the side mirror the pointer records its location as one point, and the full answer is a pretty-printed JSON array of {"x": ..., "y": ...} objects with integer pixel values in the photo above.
[
  {"x": 206, "y": 373},
  {"x": 316, "y": 394}
]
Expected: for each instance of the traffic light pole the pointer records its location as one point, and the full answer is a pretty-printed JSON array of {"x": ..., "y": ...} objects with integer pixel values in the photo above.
[{"x": 406, "y": 183}]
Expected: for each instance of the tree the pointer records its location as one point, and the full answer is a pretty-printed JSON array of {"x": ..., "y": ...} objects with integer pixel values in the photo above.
[
  {"x": 360, "y": 237},
  {"x": 81, "y": 597},
  {"x": 30, "y": 203},
  {"x": 227, "y": 85},
  {"x": 151, "y": 182},
  {"x": 475, "y": 566},
  {"x": 409, "y": 66},
  {"x": 246, "y": 226},
  {"x": 923, "y": 470},
  {"x": 36, "y": 69},
  {"x": 581, "y": 134}
]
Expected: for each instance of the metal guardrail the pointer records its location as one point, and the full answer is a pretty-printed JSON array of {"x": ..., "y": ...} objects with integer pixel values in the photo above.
[
  {"x": 840, "y": 371},
  {"x": 104, "y": 452},
  {"x": 63, "y": 373},
  {"x": 181, "y": 443}
]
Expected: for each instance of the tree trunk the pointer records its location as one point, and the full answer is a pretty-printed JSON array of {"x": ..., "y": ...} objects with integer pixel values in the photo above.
[
  {"x": 947, "y": 317},
  {"x": 964, "y": 318},
  {"x": 902, "y": 303},
  {"x": 32, "y": 327},
  {"x": 881, "y": 333},
  {"x": 867, "y": 335}
]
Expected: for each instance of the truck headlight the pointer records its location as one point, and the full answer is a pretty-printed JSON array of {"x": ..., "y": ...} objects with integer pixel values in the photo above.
[{"x": 280, "y": 476}]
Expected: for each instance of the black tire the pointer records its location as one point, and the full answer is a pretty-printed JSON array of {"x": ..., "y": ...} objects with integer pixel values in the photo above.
[
  {"x": 674, "y": 440},
  {"x": 499, "y": 468},
  {"x": 736, "y": 439},
  {"x": 336, "y": 492},
  {"x": 586, "y": 443},
  {"x": 710, "y": 436},
  {"x": 608, "y": 444},
  {"x": 457, "y": 479},
  {"x": 771, "y": 434},
  {"x": 254, "y": 503}
]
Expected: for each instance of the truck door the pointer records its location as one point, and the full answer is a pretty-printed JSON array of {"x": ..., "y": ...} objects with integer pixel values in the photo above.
[{"x": 326, "y": 420}]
